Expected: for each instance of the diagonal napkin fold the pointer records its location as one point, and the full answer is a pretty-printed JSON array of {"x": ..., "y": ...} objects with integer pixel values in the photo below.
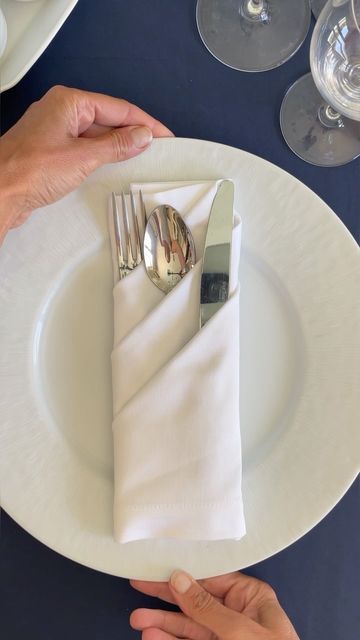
[{"x": 177, "y": 448}]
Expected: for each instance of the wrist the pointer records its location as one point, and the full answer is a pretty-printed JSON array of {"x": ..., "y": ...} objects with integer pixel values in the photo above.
[{"x": 12, "y": 199}]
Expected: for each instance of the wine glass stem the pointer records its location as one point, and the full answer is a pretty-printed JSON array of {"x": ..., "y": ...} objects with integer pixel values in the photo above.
[
  {"x": 255, "y": 10},
  {"x": 330, "y": 118}
]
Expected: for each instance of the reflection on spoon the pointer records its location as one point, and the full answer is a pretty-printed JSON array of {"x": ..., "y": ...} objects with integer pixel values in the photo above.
[{"x": 169, "y": 250}]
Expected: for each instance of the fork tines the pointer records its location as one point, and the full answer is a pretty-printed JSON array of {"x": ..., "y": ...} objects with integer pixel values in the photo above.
[{"x": 127, "y": 234}]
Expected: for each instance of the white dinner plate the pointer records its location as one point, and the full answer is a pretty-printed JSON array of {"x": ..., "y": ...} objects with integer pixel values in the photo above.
[
  {"x": 31, "y": 26},
  {"x": 300, "y": 365}
]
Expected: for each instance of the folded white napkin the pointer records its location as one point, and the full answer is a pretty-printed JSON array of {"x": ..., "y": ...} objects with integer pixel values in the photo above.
[{"x": 177, "y": 449}]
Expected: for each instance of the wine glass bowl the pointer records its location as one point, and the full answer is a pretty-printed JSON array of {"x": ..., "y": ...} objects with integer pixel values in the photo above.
[
  {"x": 320, "y": 114},
  {"x": 335, "y": 58}
]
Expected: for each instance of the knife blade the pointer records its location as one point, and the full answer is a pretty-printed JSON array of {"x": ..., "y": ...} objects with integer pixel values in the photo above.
[{"x": 217, "y": 253}]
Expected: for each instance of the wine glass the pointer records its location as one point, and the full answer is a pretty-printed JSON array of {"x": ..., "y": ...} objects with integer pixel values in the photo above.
[
  {"x": 320, "y": 114},
  {"x": 253, "y": 35}
]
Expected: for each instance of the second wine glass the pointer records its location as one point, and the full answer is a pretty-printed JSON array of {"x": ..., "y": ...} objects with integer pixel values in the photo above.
[{"x": 320, "y": 114}]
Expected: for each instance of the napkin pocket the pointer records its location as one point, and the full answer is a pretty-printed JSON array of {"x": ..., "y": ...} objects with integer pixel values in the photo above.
[{"x": 176, "y": 426}]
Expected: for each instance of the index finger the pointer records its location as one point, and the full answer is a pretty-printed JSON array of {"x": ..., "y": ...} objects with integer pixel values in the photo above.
[
  {"x": 162, "y": 591},
  {"x": 157, "y": 589},
  {"x": 113, "y": 112}
]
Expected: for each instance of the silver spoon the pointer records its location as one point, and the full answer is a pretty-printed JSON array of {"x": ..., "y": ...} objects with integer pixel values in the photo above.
[{"x": 169, "y": 250}]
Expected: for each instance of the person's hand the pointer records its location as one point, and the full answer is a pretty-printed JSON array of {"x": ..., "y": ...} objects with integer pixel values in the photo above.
[
  {"x": 59, "y": 141},
  {"x": 230, "y": 607}
]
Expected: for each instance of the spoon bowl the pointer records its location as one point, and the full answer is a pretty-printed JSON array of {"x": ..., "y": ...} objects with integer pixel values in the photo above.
[{"x": 169, "y": 250}]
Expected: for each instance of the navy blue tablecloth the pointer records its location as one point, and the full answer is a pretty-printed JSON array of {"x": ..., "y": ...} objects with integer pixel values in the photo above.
[{"x": 149, "y": 52}]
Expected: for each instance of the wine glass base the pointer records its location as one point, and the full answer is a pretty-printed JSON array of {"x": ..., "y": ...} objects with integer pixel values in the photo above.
[
  {"x": 317, "y": 7},
  {"x": 253, "y": 45},
  {"x": 307, "y": 137}
]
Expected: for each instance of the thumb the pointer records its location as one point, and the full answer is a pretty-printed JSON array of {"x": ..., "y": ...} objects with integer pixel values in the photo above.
[
  {"x": 118, "y": 144},
  {"x": 199, "y": 605}
]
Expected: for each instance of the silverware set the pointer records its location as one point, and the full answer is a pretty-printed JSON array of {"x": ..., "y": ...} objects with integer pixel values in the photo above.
[
  {"x": 163, "y": 241},
  {"x": 165, "y": 244}
]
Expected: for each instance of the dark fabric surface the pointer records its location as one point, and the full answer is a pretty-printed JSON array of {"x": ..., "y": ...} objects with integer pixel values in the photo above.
[{"x": 151, "y": 54}]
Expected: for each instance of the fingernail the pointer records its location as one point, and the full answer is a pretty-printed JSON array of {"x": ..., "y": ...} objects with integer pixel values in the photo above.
[
  {"x": 181, "y": 581},
  {"x": 141, "y": 137}
]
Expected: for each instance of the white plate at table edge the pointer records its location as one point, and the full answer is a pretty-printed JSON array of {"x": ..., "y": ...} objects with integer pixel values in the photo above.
[
  {"x": 299, "y": 366},
  {"x": 14, "y": 64}
]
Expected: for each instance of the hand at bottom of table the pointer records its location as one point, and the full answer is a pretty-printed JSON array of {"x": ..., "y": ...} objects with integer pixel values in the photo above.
[{"x": 229, "y": 607}]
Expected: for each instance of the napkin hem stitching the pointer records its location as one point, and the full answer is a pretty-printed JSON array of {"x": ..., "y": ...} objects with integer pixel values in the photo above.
[{"x": 176, "y": 505}]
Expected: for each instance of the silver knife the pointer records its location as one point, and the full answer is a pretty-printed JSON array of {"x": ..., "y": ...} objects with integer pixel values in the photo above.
[{"x": 217, "y": 253}]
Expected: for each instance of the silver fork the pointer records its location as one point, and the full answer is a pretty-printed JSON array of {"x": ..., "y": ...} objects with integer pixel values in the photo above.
[{"x": 127, "y": 257}]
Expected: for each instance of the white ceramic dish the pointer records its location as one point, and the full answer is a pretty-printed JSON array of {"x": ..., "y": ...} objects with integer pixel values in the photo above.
[
  {"x": 31, "y": 27},
  {"x": 3, "y": 33},
  {"x": 300, "y": 365}
]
